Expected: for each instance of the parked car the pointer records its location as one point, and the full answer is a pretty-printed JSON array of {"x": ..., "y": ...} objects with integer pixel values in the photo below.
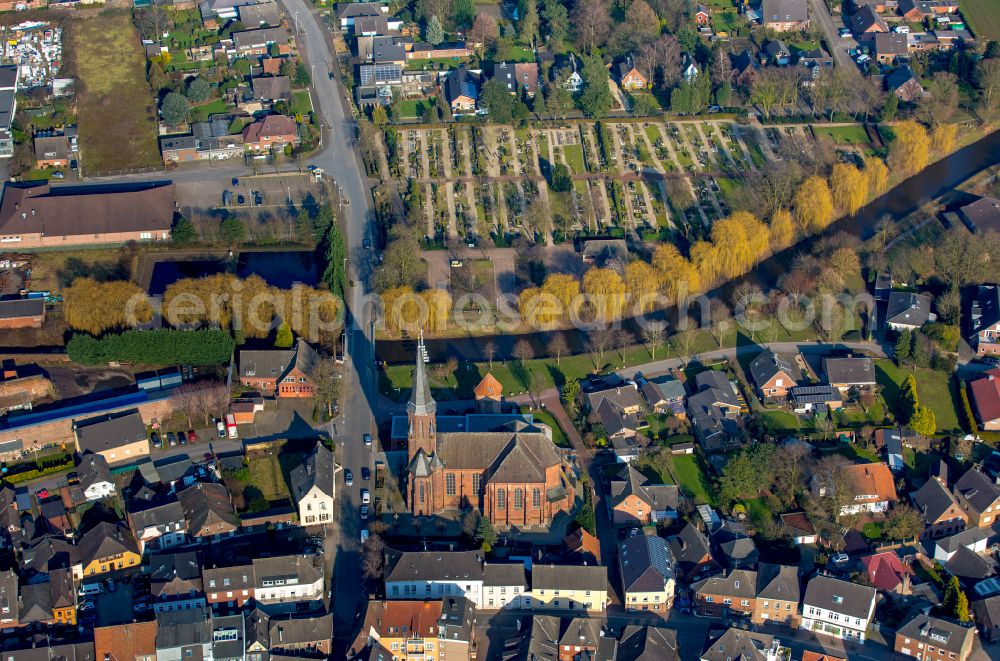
[
  {"x": 364, "y": 512},
  {"x": 364, "y": 535},
  {"x": 366, "y": 243},
  {"x": 365, "y": 473},
  {"x": 367, "y": 439},
  {"x": 182, "y": 437},
  {"x": 236, "y": 181},
  {"x": 220, "y": 428},
  {"x": 58, "y": 175},
  {"x": 258, "y": 198},
  {"x": 840, "y": 559},
  {"x": 240, "y": 200},
  {"x": 192, "y": 436},
  {"x": 348, "y": 477},
  {"x": 366, "y": 496},
  {"x": 171, "y": 439},
  {"x": 154, "y": 438},
  {"x": 42, "y": 493},
  {"x": 901, "y": 29}
]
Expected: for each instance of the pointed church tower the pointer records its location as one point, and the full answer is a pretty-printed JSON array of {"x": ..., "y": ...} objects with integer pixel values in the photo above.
[{"x": 421, "y": 410}]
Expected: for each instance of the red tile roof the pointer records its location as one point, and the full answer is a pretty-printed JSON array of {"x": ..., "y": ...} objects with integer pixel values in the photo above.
[
  {"x": 271, "y": 126},
  {"x": 871, "y": 480},
  {"x": 885, "y": 570},
  {"x": 816, "y": 656},
  {"x": 986, "y": 395}
]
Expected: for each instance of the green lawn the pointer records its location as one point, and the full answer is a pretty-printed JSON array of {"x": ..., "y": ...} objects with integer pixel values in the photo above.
[
  {"x": 781, "y": 421},
  {"x": 433, "y": 64},
  {"x": 934, "y": 389},
  {"x": 843, "y": 134},
  {"x": 520, "y": 54},
  {"x": 301, "y": 103},
  {"x": 758, "y": 510},
  {"x": 872, "y": 530},
  {"x": 856, "y": 453},
  {"x": 982, "y": 17},
  {"x": 574, "y": 158},
  {"x": 201, "y": 112},
  {"x": 546, "y": 418},
  {"x": 691, "y": 478},
  {"x": 266, "y": 475},
  {"x": 412, "y": 107}
]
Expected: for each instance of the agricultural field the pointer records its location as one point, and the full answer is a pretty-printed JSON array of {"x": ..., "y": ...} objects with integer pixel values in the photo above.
[
  {"x": 117, "y": 115},
  {"x": 982, "y": 17}
]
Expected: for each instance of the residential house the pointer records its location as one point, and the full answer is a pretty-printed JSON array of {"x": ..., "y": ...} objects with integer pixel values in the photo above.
[
  {"x": 504, "y": 584},
  {"x": 987, "y": 614},
  {"x": 647, "y": 572},
  {"x": 799, "y": 527},
  {"x": 12, "y": 532},
  {"x": 774, "y": 374},
  {"x": 907, "y": 310},
  {"x": 778, "y": 53},
  {"x": 50, "y": 648},
  {"x": 157, "y": 520},
  {"x": 313, "y": 486},
  {"x": 107, "y": 547},
  {"x": 870, "y": 488},
  {"x": 940, "y": 510},
  {"x": 53, "y": 516},
  {"x": 618, "y": 422},
  {"x": 271, "y": 132},
  {"x": 892, "y": 446},
  {"x": 837, "y": 608},
  {"x": 889, "y": 46},
  {"x": 985, "y": 399},
  {"x": 846, "y": 374},
  {"x": 934, "y": 639},
  {"x": 979, "y": 497},
  {"x": 130, "y": 640},
  {"x": 737, "y": 644},
  {"x": 22, "y": 313},
  {"x": 302, "y": 636},
  {"x": 904, "y": 84},
  {"x": 969, "y": 566},
  {"x": 701, "y": 15},
  {"x": 229, "y": 641},
  {"x": 778, "y": 594},
  {"x": 645, "y": 643},
  {"x": 569, "y": 588},
  {"x": 714, "y": 410},
  {"x": 184, "y": 635},
  {"x": 733, "y": 545},
  {"x": 689, "y": 68},
  {"x": 692, "y": 554},
  {"x": 35, "y": 604},
  {"x": 400, "y": 626},
  {"x": 260, "y": 41},
  {"x": 288, "y": 583},
  {"x": 118, "y": 437},
  {"x": 8, "y": 108},
  {"x": 728, "y": 595},
  {"x": 665, "y": 395},
  {"x": 887, "y": 572},
  {"x": 635, "y": 500},
  {"x": 815, "y": 398},
  {"x": 350, "y": 12},
  {"x": 981, "y": 215},
  {"x": 975, "y": 540},
  {"x": 272, "y": 88},
  {"x": 745, "y": 68},
  {"x": 280, "y": 372},
  {"x": 985, "y": 321},
  {"x": 578, "y": 636},
  {"x": 261, "y": 14},
  {"x": 52, "y": 152},
  {"x": 388, "y": 50},
  {"x": 517, "y": 76},
  {"x": 231, "y": 587},
  {"x": 43, "y": 555},
  {"x": 808, "y": 655},
  {"x": 598, "y": 250},
  {"x": 867, "y": 21},
  {"x": 582, "y": 548},
  {"x": 629, "y": 76},
  {"x": 816, "y": 60},
  {"x": 433, "y": 574},
  {"x": 914, "y": 11},
  {"x": 95, "y": 476},
  {"x": 9, "y": 606},
  {"x": 461, "y": 88},
  {"x": 221, "y": 9},
  {"x": 785, "y": 15},
  {"x": 175, "y": 581},
  {"x": 456, "y": 630},
  {"x": 209, "y": 512}
]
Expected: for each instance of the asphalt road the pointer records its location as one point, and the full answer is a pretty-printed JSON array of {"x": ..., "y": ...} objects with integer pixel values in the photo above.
[{"x": 830, "y": 26}]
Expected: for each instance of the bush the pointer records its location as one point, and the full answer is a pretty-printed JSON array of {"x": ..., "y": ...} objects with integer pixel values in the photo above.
[
  {"x": 153, "y": 347},
  {"x": 970, "y": 420}
]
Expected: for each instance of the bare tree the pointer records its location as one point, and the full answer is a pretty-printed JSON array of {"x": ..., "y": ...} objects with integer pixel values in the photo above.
[
  {"x": 721, "y": 321},
  {"x": 153, "y": 22},
  {"x": 372, "y": 562},
  {"x": 557, "y": 346},
  {"x": 600, "y": 341},
  {"x": 523, "y": 351},
  {"x": 686, "y": 340},
  {"x": 490, "y": 352},
  {"x": 623, "y": 339},
  {"x": 328, "y": 384},
  {"x": 216, "y": 398},
  {"x": 654, "y": 334},
  {"x": 188, "y": 401}
]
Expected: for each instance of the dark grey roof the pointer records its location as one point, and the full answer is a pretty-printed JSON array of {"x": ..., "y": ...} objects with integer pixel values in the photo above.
[
  {"x": 977, "y": 489},
  {"x": 35, "y": 603},
  {"x": 306, "y": 568},
  {"x": 93, "y": 469},
  {"x": 105, "y": 540},
  {"x": 779, "y": 582},
  {"x": 297, "y": 631},
  {"x": 236, "y": 577},
  {"x": 782, "y": 11},
  {"x": 22, "y": 307},
  {"x": 967, "y": 564},
  {"x": 271, "y": 88},
  {"x": 461, "y": 82},
  {"x": 865, "y": 18},
  {"x": 689, "y": 546},
  {"x": 908, "y": 308},
  {"x": 646, "y": 563},
  {"x": 733, "y": 542},
  {"x": 223, "y": 646},
  {"x": 983, "y": 214},
  {"x": 814, "y": 394},
  {"x": 457, "y": 617},
  {"x": 182, "y": 628},
  {"x": 891, "y": 43},
  {"x": 264, "y": 13},
  {"x": 356, "y": 9},
  {"x": 50, "y": 651},
  {"x": 387, "y": 49},
  {"x": 421, "y": 401},
  {"x": 178, "y": 143},
  {"x": 171, "y": 469},
  {"x": 968, "y": 538},
  {"x": 770, "y": 363},
  {"x": 626, "y": 396},
  {"x": 718, "y": 381},
  {"x": 740, "y": 583},
  {"x": 433, "y": 565},
  {"x": 647, "y": 643},
  {"x": 582, "y": 631},
  {"x": 658, "y": 496},
  {"x": 614, "y": 419},
  {"x": 840, "y": 596},
  {"x": 932, "y": 500},
  {"x": 568, "y": 577},
  {"x": 208, "y": 509},
  {"x": 850, "y": 371},
  {"x": 317, "y": 470},
  {"x": 523, "y": 456},
  {"x": 174, "y": 574},
  {"x": 255, "y": 38},
  {"x": 738, "y": 645},
  {"x": 985, "y": 308},
  {"x": 899, "y": 77},
  {"x": 937, "y": 632},
  {"x": 276, "y": 362},
  {"x": 8, "y": 76},
  {"x": 159, "y": 511},
  {"x": 543, "y": 638},
  {"x": 110, "y": 431},
  {"x": 504, "y": 574}
]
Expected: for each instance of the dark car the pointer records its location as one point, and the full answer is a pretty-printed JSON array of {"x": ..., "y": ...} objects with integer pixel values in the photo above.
[
  {"x": 258, "y": 198},
  {"x": 182, "y": 437},
  {"x": 348, "y": 477},
  {"x": 171, "y": 438},
  {"x": 154, "y": 438},
  {"x": 240, "y": 200},
  {"x": 236, "y": 181},
  {"x": 365, "y": 473},
  {"x": 366, "y": 244}
]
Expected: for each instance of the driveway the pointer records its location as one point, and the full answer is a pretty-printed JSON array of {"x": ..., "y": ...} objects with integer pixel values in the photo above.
[{"x": 830, "y": 27}]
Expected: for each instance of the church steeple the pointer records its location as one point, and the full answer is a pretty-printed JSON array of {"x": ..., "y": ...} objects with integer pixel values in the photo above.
[{"x": 421, "y": 409}]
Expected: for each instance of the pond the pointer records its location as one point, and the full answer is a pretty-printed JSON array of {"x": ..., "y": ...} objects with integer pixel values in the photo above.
[{"x": 278, "y": 268}]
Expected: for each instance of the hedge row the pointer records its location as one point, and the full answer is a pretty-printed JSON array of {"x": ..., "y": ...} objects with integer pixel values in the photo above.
[{"x": 153, "y": 347}]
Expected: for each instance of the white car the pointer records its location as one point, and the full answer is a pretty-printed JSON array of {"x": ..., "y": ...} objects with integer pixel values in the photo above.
[
  {"x": 840, "y": 559},
  {"x": 902, "y": 29},
  {"x": 366, "y": 496}
]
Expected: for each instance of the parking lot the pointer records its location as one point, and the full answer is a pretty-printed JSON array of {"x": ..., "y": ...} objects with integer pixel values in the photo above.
[{"x": 264, "y": 192}]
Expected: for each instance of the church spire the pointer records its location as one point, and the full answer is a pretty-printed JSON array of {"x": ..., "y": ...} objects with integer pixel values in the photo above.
[{"x": 421, "y": 402}]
